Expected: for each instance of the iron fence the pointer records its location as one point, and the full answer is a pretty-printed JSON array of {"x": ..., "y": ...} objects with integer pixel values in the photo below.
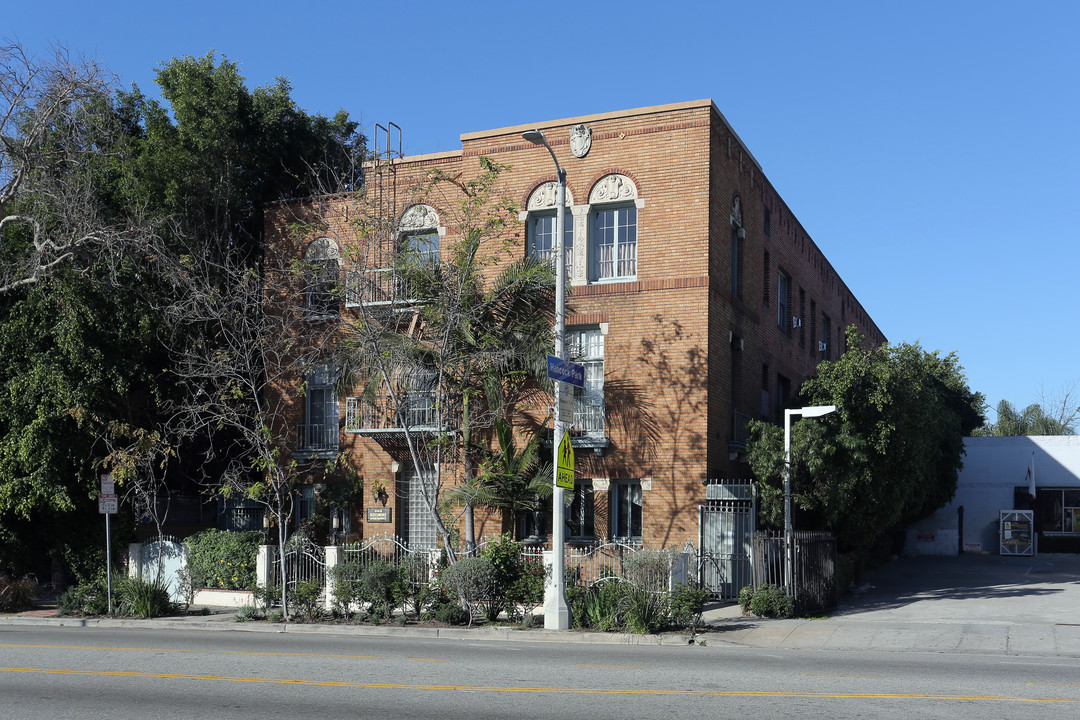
[
  {"x": 304, "y": 562},
  {"x": 814, "y": 562}
]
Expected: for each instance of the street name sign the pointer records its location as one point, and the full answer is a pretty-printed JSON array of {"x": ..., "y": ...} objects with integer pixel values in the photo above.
[{"x": 566, "y": 371}]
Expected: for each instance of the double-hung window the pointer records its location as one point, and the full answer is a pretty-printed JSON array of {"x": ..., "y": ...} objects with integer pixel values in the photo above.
[
  {"x": 422, "y": 247},
  {"x": 626, "y": 510},
  {"x": 614, "y": 243},
  {"x": 542, "y": 238},
  {"x": 586, "y": 346},
  {"x": 320, "y": 431},
  {"x": 783, "y": 301}
]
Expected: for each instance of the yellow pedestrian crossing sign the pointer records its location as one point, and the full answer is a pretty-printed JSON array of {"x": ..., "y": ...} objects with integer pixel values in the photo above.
[{"x": 564, "y": 476}]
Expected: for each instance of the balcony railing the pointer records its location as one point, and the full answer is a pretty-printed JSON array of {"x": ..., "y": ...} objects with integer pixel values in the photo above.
[
  {"x": 317, "y": 438},
  {"x": 378, "y": 286},
  {"x": 419, "y": 411},
  {"x": 589, "y": 416}
]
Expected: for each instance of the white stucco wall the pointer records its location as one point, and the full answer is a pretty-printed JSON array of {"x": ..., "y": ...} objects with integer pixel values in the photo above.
[{"x": 993, "y": 466}]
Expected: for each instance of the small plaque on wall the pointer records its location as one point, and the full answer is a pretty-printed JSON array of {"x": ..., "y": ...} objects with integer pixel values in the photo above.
[{"x": 379, "y": 515}]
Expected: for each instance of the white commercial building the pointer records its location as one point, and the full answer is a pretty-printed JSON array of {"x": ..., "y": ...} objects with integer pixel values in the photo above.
[{"x": 994, "y": 478}]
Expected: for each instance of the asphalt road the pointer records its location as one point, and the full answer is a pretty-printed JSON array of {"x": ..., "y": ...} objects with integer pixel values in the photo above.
[{"x": 117, "y": 673}]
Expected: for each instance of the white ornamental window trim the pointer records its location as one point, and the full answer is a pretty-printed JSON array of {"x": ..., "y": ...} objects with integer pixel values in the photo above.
[
  {"x": 543, "y": 198},
  {"x": 418, "y": 218},
  {"x": 615, "y": 188},
  {"x": 321, "y": 249}
]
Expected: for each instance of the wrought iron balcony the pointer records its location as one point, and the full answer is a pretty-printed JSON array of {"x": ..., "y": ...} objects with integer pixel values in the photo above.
[
  {"x": 417, "y": 411},
  {"x": 377, "y": 287},
  {"x": 316, "y": 440}
]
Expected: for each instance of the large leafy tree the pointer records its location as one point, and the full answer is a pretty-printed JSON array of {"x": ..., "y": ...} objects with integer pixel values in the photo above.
[
  {"x": 97, "y": 188},
  {"x": 888, "y": 456}
]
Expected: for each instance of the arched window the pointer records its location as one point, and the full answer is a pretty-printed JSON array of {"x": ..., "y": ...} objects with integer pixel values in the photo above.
[
  {"x": 613, "y": 229},
  {"x": 540, "y": 225},
  {"x": 322, "y": 260},
  {"x": 419, "y": 234}
]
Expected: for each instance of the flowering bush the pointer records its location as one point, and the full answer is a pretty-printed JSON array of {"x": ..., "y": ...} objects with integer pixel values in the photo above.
[{"x": 223, "y": 560}]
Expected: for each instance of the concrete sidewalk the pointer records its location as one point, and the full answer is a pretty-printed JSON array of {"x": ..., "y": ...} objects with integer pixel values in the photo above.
[{"x": 967, "y": 604}]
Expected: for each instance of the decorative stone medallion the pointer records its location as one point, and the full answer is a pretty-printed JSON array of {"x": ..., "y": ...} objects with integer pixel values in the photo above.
[{"x": 580, "y": 140}]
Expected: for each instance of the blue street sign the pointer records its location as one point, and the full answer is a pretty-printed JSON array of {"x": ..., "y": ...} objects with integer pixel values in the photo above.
[{"x": 566, "y": 371}]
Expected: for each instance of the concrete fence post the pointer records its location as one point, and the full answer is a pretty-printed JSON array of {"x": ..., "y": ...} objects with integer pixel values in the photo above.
[
  {"x": 134, "y": 569},
  {"x": 262, "y": 566}
]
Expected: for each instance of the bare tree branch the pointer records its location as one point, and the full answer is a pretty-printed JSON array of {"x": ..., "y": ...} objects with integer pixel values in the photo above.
[{"x": 56, "y": 130}]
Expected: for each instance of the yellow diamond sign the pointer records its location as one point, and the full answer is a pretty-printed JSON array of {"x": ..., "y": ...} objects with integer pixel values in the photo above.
[{"x": 564, "y": 476}]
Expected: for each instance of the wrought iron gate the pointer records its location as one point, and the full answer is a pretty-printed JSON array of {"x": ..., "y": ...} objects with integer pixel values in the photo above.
[{"x": 725, "y": 523}]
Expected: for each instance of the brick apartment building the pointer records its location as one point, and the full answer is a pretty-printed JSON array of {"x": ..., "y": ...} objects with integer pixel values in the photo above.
[{"x": 697, "y": 302}]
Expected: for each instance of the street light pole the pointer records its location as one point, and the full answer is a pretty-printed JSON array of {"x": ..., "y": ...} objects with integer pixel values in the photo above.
[
  {"x": 556, "y": 611},
  {"x": 789, "y": 539}
]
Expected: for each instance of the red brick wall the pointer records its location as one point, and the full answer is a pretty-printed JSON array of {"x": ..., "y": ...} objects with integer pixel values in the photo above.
[{"x": 668, "y": 358}]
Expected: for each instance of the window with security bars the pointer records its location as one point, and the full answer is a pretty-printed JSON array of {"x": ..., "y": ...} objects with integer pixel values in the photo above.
[
  {"x": 626, "y": 510},
  {"x": 320, "y": 429},
  {"x": 320, "y": 288},
  {"x": 614, "y": 243},
  {"x": 586, "y": 346}
]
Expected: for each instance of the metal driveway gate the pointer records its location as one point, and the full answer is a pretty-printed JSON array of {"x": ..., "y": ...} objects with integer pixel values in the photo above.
[{"x": 725, "y": 522}]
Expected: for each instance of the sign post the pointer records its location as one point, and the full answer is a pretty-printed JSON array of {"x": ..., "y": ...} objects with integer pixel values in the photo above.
[{"x": 108, "y": 504}]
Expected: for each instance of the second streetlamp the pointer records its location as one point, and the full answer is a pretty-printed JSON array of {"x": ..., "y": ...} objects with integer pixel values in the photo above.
[{"x": 789, "y": 540}]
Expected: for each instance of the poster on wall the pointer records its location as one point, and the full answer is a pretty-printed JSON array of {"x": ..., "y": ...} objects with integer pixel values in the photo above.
[{"x": 1017, "y": 537}]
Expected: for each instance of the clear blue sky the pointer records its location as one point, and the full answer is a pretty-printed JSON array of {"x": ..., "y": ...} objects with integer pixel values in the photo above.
[{"x": 929, "y": 148}]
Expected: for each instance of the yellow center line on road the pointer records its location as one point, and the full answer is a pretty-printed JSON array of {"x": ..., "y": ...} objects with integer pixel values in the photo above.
[
  {"x": 179, "y": 650},
  {"x": 535, "y": 690}
]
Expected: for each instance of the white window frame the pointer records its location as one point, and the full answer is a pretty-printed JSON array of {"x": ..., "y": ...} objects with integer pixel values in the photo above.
[
  {"x": 540, "y": 243},
  {"x": 586, "y": 347},
  {"x": 623, "y": 233}
]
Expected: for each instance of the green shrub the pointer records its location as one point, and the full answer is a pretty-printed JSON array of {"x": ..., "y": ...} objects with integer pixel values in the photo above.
[
  {"x": 305, "y": 599},
  {"x": 685, "y": 605},
  {"x": 746, "y": 594},
  {"x": 15, "y": 594},
  {"x": 223, "y": 560},
  {"x": 770, "y": 601},
  {"x": 382, "y": 586},
  {"x": 247, "y": 613},
  {"x": 642, "y": 610},
  {"x": 88, "y": 598},
  {"x": 137, "y": 597},
  {"x": 471, "y": 579},
  {"x": 599, "y": 607},
  {"x": 506, "y": 571},
  {"x": 648, "y": 569},
  {"x": 450, "y": 614},
  {"x": 348, "y": 587}
]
